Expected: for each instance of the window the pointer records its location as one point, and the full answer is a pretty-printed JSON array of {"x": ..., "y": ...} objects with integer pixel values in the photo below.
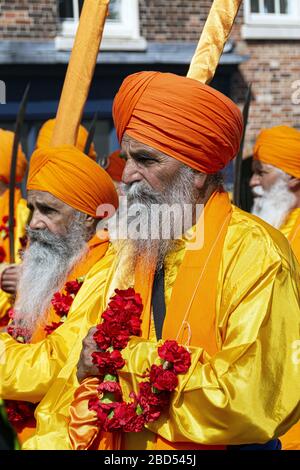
[
  {"x": 271, "y": 19},
  {"x": 121, "y": 30}
]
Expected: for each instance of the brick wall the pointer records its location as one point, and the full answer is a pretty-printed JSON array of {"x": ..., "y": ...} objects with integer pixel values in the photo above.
[
  {"x": 28, "y": 19},
  {"x": 179, "y": 20}
]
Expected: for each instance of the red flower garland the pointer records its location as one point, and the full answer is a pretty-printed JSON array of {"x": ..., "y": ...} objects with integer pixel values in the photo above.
[
  {"x": 62, "y": 303},
  {"x": 21, "y": 413},
  {"x": 121, "y": 320}
]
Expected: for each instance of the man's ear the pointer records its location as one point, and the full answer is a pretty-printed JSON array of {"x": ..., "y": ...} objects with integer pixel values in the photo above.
[
  {"x": 294, "y": 184},
  {"x": 90, "y": 221},
  {"x": 200, "y": 180}
]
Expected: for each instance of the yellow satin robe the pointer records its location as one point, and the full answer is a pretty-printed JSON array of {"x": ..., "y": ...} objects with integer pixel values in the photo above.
[
  {"x": 247, "y": 393},
  {"x": 291, "y": 440}
]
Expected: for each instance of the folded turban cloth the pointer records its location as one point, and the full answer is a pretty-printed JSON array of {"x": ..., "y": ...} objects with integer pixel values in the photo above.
[
  {"x": 280, "y": 147},
  {"x": 72, "y": 177},
  {"x": 46, "y": 132},
  {"x": 180, "y": 117},
  {"x": 6, "y": 146},
  {"x": 116, "y": 166}
]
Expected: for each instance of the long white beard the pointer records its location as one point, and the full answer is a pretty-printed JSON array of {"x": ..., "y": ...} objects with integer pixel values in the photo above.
[
  {"x": 153, "y": 250},
  {"x": 273, "y": 205},
  {"x": 46, "y": 265}
]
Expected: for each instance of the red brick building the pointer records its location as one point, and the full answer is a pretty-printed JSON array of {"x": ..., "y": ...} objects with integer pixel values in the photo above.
[{"x": 264, "y": 48}]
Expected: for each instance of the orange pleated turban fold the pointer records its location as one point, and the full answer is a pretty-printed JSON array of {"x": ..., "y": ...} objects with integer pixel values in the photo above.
[
  {"x": 180, "y": 117},
  {"x": 116, "y": 166},
  {"x": 45, "y": 135},
  {"x": 6, "y": 145},
  {"x": 280, "y": 147},
  {"x": 72, "y": 177}
]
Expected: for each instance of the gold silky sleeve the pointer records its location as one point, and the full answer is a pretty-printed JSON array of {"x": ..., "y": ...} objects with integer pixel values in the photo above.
[{"x": 249, "y": 391}]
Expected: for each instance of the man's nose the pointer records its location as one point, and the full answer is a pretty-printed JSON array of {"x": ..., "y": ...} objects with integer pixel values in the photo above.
[
  {"x": 254, "y": 181},
  {"x": 36, "y": 222},
  {"x": 131, "y": 172}
]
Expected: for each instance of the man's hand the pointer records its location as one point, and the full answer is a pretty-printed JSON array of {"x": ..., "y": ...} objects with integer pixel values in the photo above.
[
  {"x": 85, "y": 366},
  {"x": 10, "y": 278}
]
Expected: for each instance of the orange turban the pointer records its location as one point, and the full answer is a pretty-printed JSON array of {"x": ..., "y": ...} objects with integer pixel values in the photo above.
[
  {"x": 6, "y": 146},
  {"x": 116, "y": 166},
  {"x": 72, "y": 177},
  {"x": 181, "y": 117},
  {"x": 45, "y": 135},
  {"x": 280, "y": 147}
]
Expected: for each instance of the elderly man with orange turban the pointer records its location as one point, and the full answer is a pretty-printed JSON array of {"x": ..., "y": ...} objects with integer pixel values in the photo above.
[
  {"x": 65, "y": 190},
  {"x": 276, "y": 181},
  {"x": 276, "y": 188},
  {"x": 185, "y": 354},
  {"x": 21, "y": 212},
  {"x": 10, "y": 274}
]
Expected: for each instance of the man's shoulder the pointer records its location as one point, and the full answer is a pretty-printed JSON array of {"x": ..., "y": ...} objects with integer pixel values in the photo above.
[
  {"x": 103, "y": 264},
  {"x": 257, "y": 236}
]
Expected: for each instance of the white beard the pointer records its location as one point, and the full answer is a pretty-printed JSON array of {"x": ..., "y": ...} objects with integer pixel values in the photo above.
[
  {"x": 273, "y": 205},
  {"x": 46, "y": 265},
  {"x": 154, "y": 251}
]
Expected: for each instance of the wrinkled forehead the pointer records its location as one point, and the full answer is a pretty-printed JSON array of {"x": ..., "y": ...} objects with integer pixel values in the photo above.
[
  {"x": 45, "y": 198},
  {"x": 131, "y": 146},
  {"x": 258, "y": 166}
]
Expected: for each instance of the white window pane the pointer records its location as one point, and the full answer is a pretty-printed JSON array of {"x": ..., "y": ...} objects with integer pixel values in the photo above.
[{"x": 269, "y": 6}]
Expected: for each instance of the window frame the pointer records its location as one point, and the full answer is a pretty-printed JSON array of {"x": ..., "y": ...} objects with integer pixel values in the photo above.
[
  {"x": 117, "y": 35},
  {"x": 272, "y": 25}
]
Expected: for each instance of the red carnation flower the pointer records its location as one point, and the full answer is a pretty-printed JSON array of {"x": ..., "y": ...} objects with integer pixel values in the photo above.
[
  {"x": 2, "y": 254},
  {"x": 163, "y": 379},
  {"x": 111, "y": 387},
  {"x": 20, "y": 414},
  {"x": 50, "y": 328},
  {"x": 152, "y": 403},
  {"x": 179, "y": 357},
  {"x": 108, "y": 362},
  {"x": 123, "y": 318},
  {"x": 62, "y": 303},
  {"x": 101, "y": 338},
  {"x": 111, "y": 334},
  {"x": 102, "y": 415},
  {"x": 72, "y": 287},
  {"x": 125, "y": 418}
]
